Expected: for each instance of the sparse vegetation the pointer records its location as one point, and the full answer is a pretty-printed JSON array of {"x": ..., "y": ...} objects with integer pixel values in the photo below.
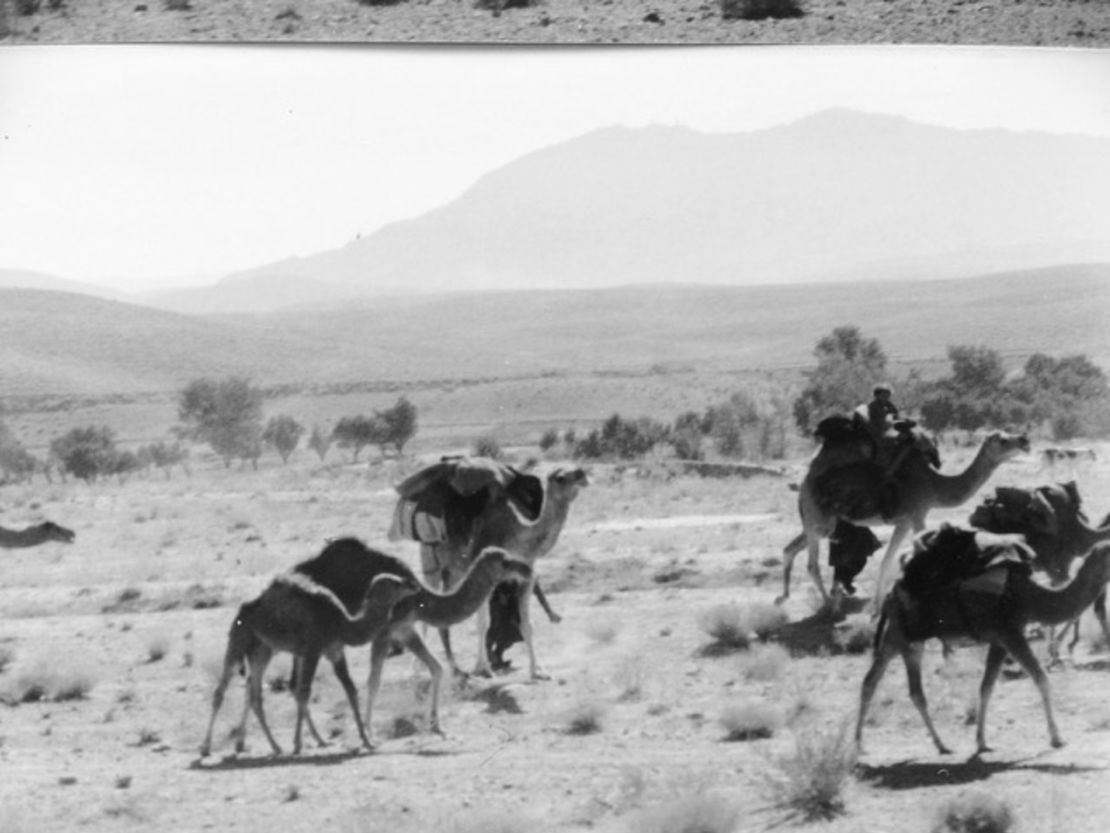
[
  {"x": 283, "y": 433},
  {"x": 43, "y": 680},
  {"x": 765, "y": 663},
  {"x": 808, "y": 784},
  {"x": 974, "y": 812},
  {"x": 699, "y": 813},
  {"x": 488, "y": 446},
  {"x": 728, "y": 626},
  {"x": 584, "y": 717},
  {"x": 226, "y": 414},
  {"x": 750, "y": 720}
]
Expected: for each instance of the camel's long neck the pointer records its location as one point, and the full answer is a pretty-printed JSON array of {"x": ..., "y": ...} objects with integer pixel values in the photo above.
[
  {"x": 955, "y": 489},
  {"x": 442, "y": 610},
  {"x": 1053, "y": 607},
  {"x": 553, "y": 517},
  {"x": 366, "y": 624},
  {"x": 12, "y": 539}
]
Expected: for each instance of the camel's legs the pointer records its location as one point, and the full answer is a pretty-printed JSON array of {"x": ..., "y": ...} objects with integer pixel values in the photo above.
[
  {"x": 294, "y": 678},
  {"x": 217, "y": 702},
  {"x": 995, "y": 655},
  {"x": 525, "y": 602},
  {"x": 339, "y": 663},
  {"x": 542, "y": 599},
  {"x": 883, "y": 654},
  {"x": 482, "y": 666},
  {"x": 259, "y": 659},
  {"x": 886, "y": 567},
  {"x": 789, "y": 553},
  {"x": 415, "y": 644},
  {"x": 1019, "y": 649},
  {"x": 813, "y": 545},
  {"x": 306, "y": 671},
  {"x": 379, "y": 651},
  {"x": 911, "y": 656}
]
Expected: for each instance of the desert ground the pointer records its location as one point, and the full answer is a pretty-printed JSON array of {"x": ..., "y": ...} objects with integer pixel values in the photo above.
[
  {"x": 124, "y": 629},
  {"x": 1077, "y": 23}
]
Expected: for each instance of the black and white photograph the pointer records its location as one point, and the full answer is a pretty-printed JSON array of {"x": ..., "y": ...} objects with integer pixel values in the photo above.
[{"x": 473, "y": 439}]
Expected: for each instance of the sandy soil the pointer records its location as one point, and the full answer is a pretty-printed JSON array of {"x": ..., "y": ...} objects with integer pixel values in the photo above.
[
  {"x": 1084, "y": 23},
  {"x": 127, "y": 609}
]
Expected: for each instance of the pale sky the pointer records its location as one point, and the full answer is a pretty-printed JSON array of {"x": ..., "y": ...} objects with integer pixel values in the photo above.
[{"x": 151, "y": 166}]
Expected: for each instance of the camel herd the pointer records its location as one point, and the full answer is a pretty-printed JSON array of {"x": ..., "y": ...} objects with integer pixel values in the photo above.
[{"x": 482, "y": 525}]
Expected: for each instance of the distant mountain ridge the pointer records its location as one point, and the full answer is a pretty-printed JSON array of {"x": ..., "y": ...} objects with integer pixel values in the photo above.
[
  {"x": 838, "y": 195},
  {"x": 54, "y": 343}
]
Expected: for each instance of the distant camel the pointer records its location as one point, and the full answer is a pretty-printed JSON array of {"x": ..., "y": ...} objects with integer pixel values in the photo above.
[
  {"x": 846, "y": 489},
  {"x": 32, "y": 536},
  {"x": 1052, "y": 521},
  {"x": 306, "y": 619},
  {"x": 459, "y": 506},
  {"x": 993, "y": 607},
  {"x": 347, "y": 567}
]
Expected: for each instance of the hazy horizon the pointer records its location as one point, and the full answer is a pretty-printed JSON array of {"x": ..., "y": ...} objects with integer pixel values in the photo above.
[{"x": 151, "y": 167}]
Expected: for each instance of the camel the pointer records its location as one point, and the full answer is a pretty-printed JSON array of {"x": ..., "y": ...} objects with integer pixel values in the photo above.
[
  {"x": 993, "y": 607},
  {"x": 849, "y": 493},
  {"x": 347, "y": 566},
  {"x": 33, "y": 536},
  {"x": 297, "y": 615},
  {"x": 441, "y": 610},
  {"x": 1053, "y": 524},
  {"x": 477, "y": 503}
]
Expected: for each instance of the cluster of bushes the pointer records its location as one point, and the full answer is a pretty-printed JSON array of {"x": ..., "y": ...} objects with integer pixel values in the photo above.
[{"x": 1067, "y": 397}]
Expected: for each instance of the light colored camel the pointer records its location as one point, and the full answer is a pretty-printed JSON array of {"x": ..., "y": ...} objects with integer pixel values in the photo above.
[
  {"x": 297, "y": 615},
  {"x": 919, "y": 489},
  {"x": 956, "y": 612},
  {"x": 440, "y": 610},
  {"x": 500, "y": 522},
  {"x": 1052, "y": 522},
  {"x": 33, "y": 536}
]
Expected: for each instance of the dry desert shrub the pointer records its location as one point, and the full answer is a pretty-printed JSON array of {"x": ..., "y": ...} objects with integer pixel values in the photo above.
[
  {"x": 43, "y": 681},
  {"x": 765, "y": 663},
  {"x": 750, "y": 720},
  {"x": 603, "y": 631},
  {"x": 157, "y": 648},
  {"x": 808, "y": 783},
  {"x": 765, "y": 620},
  {"x": 760, "y": 9},
  {"x": 727, "y": 626},
  {"x": 584, "y": 717},
  {"x": 974, "y": 812},
  {"x": 700, "y": 813}
]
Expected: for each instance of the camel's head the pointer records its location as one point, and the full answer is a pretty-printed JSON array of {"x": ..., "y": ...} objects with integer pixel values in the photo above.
[
  {"x": 1000, "y": 446},
  {"x": 53, "y": 532},
  {"x": 510, "y": 567},
  {"x": 568, "y": 480}
]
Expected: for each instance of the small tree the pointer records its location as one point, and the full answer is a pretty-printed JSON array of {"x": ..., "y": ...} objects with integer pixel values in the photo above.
[
  {"x": 355, "y": 432},
  {"x": 167, "y": 455},
  {"x": 16, "y": 462},
  {"x": 848, "y": 367},
  {"x": 398, "y": 424},
  {"x": 283, "y": 433},
  {"x": 226, "y": 414},
  {"x": 86, "y": 453},
  {"x": 320, "y": 441},
  {"x": 549, "y": 439}
]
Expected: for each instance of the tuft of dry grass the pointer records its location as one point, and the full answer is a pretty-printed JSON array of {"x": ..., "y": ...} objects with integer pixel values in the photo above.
[
  {"x": 808, "y": 783},
  {"x": 584, "y": 717},
  {"x": 765, "y": 620},
  {"x": 765, "y": 663},
  {"x": 44, "y": 681},
  {"x": 726, "y": 624},
  {"x": 7, "y": 657},
  {"x": 974, "y": 812},
  {"x": 157, "y": 648},
  {"x": 750, "y": 720}
]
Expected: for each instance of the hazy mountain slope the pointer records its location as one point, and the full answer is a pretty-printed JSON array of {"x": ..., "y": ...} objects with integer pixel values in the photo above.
[
  {"x": 59, "y": 343},
  {"x": 55, "y": 342},
  {"x": 809, "y": 199},
  {"x": 29, "y": 279}
]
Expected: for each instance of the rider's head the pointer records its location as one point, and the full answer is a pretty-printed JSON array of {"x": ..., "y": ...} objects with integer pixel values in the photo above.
[{"x": 882, "y": 391}]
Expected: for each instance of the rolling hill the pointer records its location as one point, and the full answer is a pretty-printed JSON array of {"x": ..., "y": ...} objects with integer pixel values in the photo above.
[{"x": 65, "y": 344}]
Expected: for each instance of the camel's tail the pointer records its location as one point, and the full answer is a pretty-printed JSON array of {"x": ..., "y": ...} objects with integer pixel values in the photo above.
[{"x": 241, "y": 640}]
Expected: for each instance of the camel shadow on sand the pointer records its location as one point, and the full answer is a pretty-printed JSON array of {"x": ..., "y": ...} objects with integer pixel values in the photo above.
[
  {"x": 908, "y": 775},
  {"x": 823, "y": 633},
  {"x": 235, "y": 762}
]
